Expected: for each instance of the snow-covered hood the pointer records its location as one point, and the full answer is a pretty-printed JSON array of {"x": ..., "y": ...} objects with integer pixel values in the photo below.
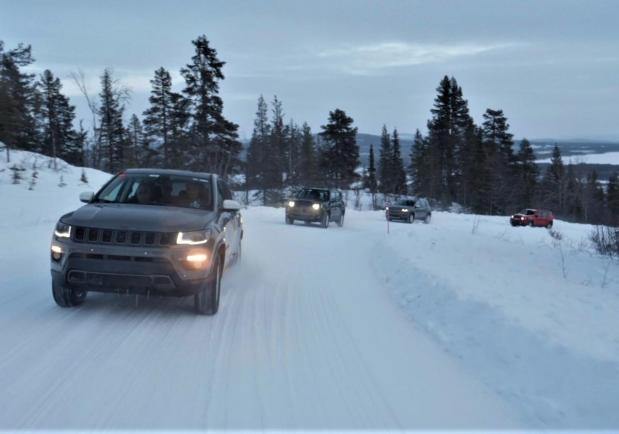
[{"x": 139, "y": 217}]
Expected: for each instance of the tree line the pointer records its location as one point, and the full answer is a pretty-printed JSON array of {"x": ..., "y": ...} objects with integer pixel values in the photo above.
[
  {"x": 178, "y": 130},
  {"x": 455, "y": 161}
]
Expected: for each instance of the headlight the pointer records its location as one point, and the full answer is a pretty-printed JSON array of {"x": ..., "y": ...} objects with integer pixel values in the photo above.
[
  {"x": 316, "y": 206},
  {"x": 192, "y": 238},
  {"x": 386, "y": 208},
  {"x": 291, "y": 203},
  {"x": 404, "y": 210},
  {"x": 62, "y": 230}
]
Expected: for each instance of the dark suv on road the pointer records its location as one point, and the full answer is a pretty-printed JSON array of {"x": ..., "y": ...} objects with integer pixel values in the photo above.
[
  {"x": 409, "y": 210},
  {"x": 160, "y": 232},
  {"x": 316, "y": 205}
]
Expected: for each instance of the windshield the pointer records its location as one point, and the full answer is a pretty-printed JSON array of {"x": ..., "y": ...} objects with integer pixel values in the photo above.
[
  {"x": 156, "y": 189},
  {"x": 313, "y": 195},
  {"x": 406, "y": 203}
]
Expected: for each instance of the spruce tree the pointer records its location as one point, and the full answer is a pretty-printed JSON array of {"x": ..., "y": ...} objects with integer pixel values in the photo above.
[
  {"x": 214, "y": 140},
  {"x": 552, "y": 188},
  {"x": 397, "y": 166},
  {"x": 371, "y": 183},
  {"x": 339, "y": 152},
  {"x": 277, "y": 146},
  {"x": 502, "y": 162},
  {"x": 158, "y": 117},
  {"x": 308, "y": 170},
  {"x": 18, "y": 100},
  {"x": 136, "y": 145},
  {"x": 258, "y": 150},
  {"x": 528, "y": 172},
  {"x": 111, "y": 131},
  {"x": 419, "y": 167},
  {"x": 57, "y": 115},
  {"x": 385, "y": 170},
  {"x": 612, "y": 198}
]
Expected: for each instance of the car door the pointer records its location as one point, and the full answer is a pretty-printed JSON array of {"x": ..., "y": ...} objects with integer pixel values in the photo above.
[
  {"x": 420, "y": 210},
  {"x": 229, "y": 221}
]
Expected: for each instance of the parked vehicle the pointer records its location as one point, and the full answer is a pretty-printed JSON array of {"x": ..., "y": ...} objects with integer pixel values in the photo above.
[
  {"x": 533, "y": 217},
  {"x": 409, "y": 210},
  {"x": 160, "y": 232},
  {"x": 319, "y": 205}
]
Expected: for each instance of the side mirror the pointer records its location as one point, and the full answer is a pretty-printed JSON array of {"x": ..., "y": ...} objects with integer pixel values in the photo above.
[
  {"x": 231, "y": 205},
  {"x": 87, "y": 196}
]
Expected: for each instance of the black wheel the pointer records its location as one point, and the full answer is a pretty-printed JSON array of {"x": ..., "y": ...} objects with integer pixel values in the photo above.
[
  {"x": 531, "y": 223},
  {"x": 411, "y": 218},
  {"x": 206, "y": 302},
  {"x": 289, "y": 220},
  {"x": 549, "y": 225},
  {"x": 324, "y": 221},
  {"x": 67, "y": 297},
  {"x": 428, "y": 218},
  {"x": 340, "y": 222}
]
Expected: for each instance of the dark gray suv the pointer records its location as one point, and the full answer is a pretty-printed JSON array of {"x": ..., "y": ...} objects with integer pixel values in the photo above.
[
  {"x": 160, "y": 232},
  {"x": 409, "y": 210}
]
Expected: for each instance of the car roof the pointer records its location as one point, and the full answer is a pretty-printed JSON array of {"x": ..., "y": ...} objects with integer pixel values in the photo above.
[{"x": 170, "y": 172}]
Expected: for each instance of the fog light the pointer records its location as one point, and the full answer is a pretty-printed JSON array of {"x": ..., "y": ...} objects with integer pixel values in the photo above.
[
  {"x": 56, "y": 253},
  {"x": 198, "y": 257},
  {"x": 316, "y": 206}
]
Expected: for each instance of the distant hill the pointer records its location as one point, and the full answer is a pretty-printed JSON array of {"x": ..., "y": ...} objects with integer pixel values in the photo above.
[{"x": 542, "y": 147}]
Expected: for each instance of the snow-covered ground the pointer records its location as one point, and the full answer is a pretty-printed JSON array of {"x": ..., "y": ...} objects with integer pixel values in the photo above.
[
  {"x": 462, "y": 323},
  {"x": 604, "y": 158}
]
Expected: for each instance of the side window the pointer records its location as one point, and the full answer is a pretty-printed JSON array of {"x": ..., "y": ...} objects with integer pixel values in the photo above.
[{"x": 227, "y": 194}]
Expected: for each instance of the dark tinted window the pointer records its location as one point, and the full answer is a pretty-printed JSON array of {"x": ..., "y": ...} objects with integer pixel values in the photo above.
[
  {"x": 157, "y": 189},
  {"x": 310, "y": 194}
]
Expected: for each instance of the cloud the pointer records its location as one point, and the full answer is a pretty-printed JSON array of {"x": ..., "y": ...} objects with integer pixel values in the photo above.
[{"x": 365, "y": 59}]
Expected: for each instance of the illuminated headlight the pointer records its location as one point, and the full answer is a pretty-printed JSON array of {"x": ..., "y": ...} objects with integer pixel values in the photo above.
[
  {"x": 291, "y": 204},
  {"x": 62, "y": 230},
  {"x": 316, "y": 206},
  {"x": 56, "y": 252},
  {"x": 404, "y": 210},
  {"x": 386, "y": 208},
  {"x": 192, "y": 238}
]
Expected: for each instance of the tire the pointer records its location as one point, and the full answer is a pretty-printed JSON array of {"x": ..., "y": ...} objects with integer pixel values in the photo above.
[
  {"x": 324, "y": 221},
  {"x": 411, "y": 218},
  {"x": 549, "y": 225},
  {"x": 206, "y": 302},
  {"x": 340, "y": 222},
  {"x": 289, "y": 221},
  {"x": 531, "y": 223},
  {"x": 67, "y": 297},
  {"x": 428, "y": 218}
]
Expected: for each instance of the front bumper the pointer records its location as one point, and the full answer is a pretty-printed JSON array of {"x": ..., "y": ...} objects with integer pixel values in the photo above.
[
  {"x": 519, "y": 222},
  {"x": 305, "y": 214},
  {"x": 139, "y": 270}
]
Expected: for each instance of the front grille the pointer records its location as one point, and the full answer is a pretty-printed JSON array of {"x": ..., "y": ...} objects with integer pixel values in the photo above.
[
  {"x": 120, "y": 237},
  {"x": 101, "y": 257}
]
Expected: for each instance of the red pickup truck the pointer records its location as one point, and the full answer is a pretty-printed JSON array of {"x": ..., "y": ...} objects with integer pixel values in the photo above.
[{"x": 533, "y": 217}]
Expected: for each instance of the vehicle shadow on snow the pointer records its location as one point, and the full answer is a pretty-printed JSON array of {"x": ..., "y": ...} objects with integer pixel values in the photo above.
[{"x": 122, "y": 304}]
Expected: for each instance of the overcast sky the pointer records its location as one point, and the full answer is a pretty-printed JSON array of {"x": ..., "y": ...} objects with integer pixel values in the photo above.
[{"x": 552, "y": 66}]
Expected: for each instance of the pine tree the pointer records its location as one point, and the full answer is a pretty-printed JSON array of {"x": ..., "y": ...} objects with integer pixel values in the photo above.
[
  {"x": 277, "y": 146},
  {"x": 111, "y": 131},
  {"x": 215, "y": 145},
  {"x": 57, "y": 115},
  {"x": 447, "y": 141},
  {"x": 371, "y": 183},
  {"x": 552, "y": 188},
  {"x": 18, "y": 100},
  {"x": 135, "y": 143},
  {"x": 419, "y": 168},
  {"x": 502, "y": 162},
  {"x": 339, "y": 152},
  {"x": 612, "y": 198},
  {"x": 158, "y": 117},
  {"x": 397, "y": 166},
  {"x": 385, "y": 171},
  {"x": 308, "y": 170},
  {"x": 256, "y": 175},
  {"x": 527, "y": 173}
]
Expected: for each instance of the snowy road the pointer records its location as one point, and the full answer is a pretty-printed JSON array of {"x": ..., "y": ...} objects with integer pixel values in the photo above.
[{"x": 307, "y": 337}]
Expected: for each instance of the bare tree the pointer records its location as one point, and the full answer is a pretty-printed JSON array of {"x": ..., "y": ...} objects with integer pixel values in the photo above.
[{"x": 80, "y": 81}]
